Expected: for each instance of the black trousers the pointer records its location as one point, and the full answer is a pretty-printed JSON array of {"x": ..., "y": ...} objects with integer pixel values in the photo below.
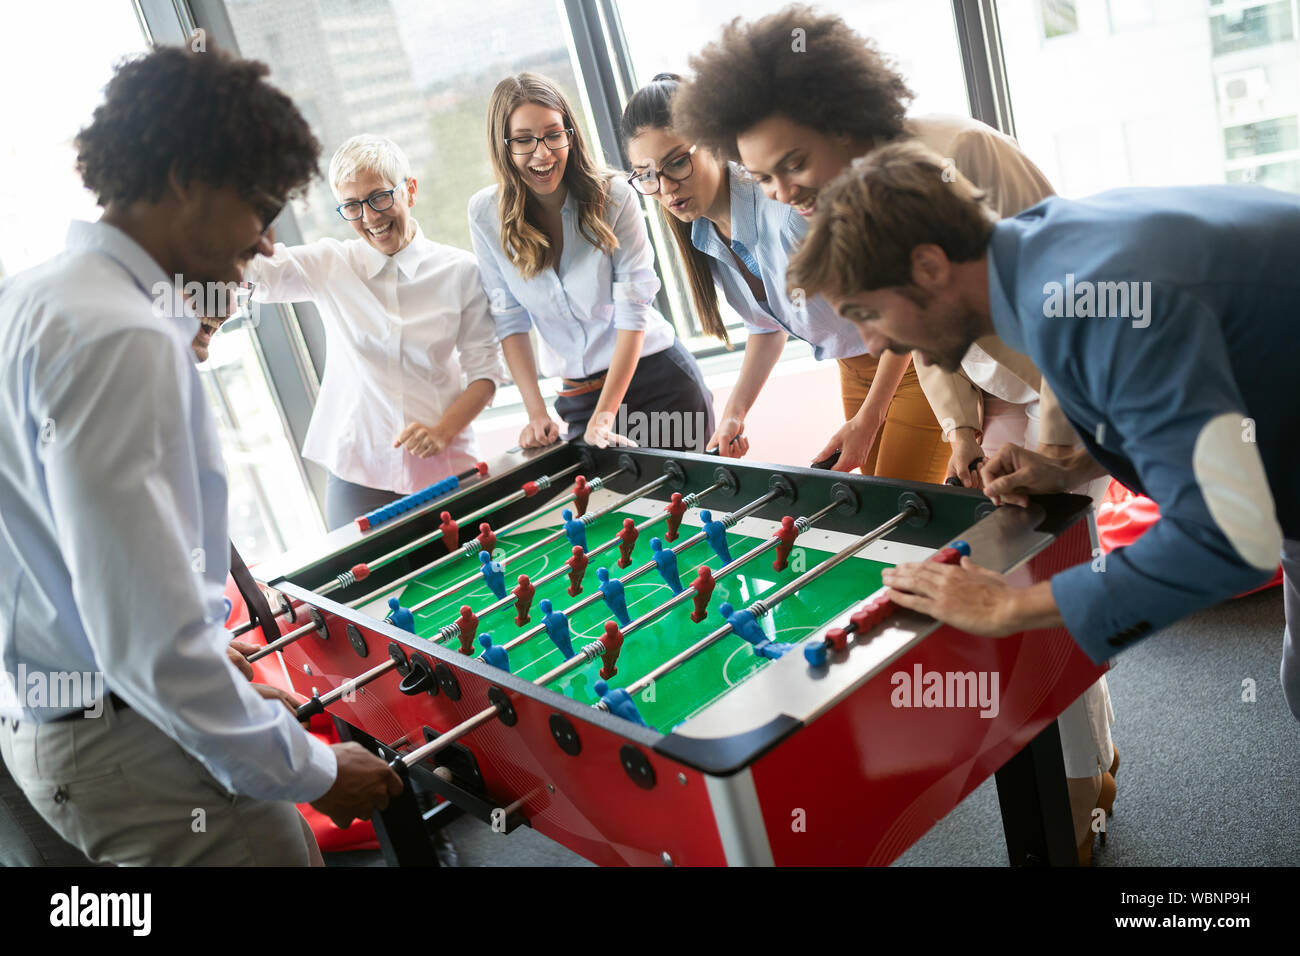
[{"x": 667, "y": 404}]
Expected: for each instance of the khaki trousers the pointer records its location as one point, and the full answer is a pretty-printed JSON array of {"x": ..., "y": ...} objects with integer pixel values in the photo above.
[
  {"x": 121, "y": 791},
  {"x": 910, "y": 444}
]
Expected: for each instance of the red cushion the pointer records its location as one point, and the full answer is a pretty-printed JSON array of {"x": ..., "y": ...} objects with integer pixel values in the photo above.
[{"x": 1122, "y": 517}]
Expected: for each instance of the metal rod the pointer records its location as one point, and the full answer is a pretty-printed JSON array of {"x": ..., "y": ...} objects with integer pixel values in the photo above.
[
  {"x": 689, "y": 500},
  {"x": 361, "y": 680},
  {"x": 281, "y": 642},
  {"x": 467, "y": 519},
  {"x": 589, "y": 652},
  {"x": 645, "y": 568},
  {"x": 591, "y": 518},
  {"x": 681, "y": 597},
  {"x": 450, "y": 737},
  {"x": 769, "y": 601},
  {"x": 241, "y": 629}
]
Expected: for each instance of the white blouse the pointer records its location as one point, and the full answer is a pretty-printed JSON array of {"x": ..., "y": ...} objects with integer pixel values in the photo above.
[{"x": 405, "y": 334}]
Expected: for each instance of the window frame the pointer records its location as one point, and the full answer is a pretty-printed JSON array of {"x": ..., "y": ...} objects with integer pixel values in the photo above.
[{"x": 293, "y": 351}]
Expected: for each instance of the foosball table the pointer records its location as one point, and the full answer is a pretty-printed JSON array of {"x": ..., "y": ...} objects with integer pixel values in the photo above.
[{"x": 676, "y": 659}]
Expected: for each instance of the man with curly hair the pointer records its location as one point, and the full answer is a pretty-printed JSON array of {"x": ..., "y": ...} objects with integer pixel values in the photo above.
[{"x": 113, "y": 534}]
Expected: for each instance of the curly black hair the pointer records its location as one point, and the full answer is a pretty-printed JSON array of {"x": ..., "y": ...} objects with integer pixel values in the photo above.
[
  {"x": 810, "y": 67},
  {"x": 206, "y": 117}
]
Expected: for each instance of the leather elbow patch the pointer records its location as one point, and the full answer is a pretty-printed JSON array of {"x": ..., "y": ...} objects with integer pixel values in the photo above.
[{"x": 1231, "y": 478}]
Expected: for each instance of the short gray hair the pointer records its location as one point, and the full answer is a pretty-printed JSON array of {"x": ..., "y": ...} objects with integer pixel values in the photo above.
[{"x": 369, "y": 153}]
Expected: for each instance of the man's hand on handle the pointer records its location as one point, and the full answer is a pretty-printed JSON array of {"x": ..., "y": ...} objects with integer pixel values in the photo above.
[
  {"x": 1015, "y": 473},
  {"x": 363, "y": 785}
]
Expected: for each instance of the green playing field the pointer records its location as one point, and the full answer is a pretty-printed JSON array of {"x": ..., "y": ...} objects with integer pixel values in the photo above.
[{"x": 693, "y": 685}]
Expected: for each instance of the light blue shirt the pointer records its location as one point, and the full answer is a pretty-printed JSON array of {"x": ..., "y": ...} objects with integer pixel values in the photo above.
[
  {"x": 1165, "y": 322},
  {"x": 113, "y": 540},
  {"x": 578, "y": 309},
  {"x": 764, "y": 233}
]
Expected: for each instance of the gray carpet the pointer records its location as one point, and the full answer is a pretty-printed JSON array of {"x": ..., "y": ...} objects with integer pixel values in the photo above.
[{"x": 1206, "y": 779}]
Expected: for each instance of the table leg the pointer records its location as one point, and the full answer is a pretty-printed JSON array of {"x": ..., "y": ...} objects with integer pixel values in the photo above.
[{"x": 1036, "y": 804}]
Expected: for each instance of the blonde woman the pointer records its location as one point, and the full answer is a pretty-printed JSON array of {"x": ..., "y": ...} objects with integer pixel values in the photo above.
[{"x": 562, "y": 249}]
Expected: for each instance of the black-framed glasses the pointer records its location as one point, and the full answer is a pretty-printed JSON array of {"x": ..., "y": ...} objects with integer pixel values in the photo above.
[
  {"x": 379, "y": 201},
  {"x": 268, "y": 208},
  {"x": 527, "y": 145},
  {"x": 677, "y": 170}
]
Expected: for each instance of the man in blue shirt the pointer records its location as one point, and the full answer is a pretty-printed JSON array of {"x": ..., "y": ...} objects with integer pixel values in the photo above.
[{"x": 1164, "y": 319}]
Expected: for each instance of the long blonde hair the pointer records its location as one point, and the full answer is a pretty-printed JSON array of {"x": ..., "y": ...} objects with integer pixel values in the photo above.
[{"x": 525, "y": 244}]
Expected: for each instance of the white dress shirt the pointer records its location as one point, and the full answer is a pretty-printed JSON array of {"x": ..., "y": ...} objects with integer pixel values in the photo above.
[
  {"x": 113, "y": 543},
  {"x": 578, "y": 309},
  {"x": 404, "y": 336}
]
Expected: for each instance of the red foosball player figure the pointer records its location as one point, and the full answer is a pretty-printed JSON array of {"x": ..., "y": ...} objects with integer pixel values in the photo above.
[
  {"x": 487, "y": 538},
  {"x": 581, "y": 492},
  {"x": 626, "y": 539},
  {"x": 703, "y": 589},
  {"x": 577, "y": 568},
  {"x": 468, "y": 623},
  {"x": 787, "y": 533},
  {"x": 613, "y": 642},
  {"x": 675, "y": 508},
  {"x": 523, "y": 594},
  {"x": 450, "y": 531}
]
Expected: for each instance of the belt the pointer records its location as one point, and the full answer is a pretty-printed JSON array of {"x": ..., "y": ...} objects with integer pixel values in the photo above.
[
  {"x": 584, "y": 386},
  {"x": 117, "y": 703}
]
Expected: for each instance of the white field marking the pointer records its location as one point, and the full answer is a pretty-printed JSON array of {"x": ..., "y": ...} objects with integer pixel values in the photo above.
[
  {"x": 551, "y": 520},
  {"x": 816, "y": 539},
  {"x": 379, "y": 608}
]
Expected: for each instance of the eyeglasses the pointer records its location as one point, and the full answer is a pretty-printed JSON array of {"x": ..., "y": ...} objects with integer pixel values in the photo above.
[
  {"x": 676, "y": 170},
  {"x": 268, "y": 209},
  {"x": 527, "y": 145},
  {"x": 352, "y": 211}
]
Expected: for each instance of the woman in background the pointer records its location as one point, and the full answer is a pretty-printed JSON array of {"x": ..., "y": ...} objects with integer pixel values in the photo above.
[
  {"x": 410, "y": 355},
  {"x": 563, "y": 250},
  {"x": 730, "y": 235}
]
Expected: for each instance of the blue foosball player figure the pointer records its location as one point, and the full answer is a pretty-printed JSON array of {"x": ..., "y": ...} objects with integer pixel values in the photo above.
[
  {"x": 493, "y": 654},
  {"x": 611, "y": 589},
  {"x": 619, "y": 702},
  {"x": 493, "y": 573},
  {"x": 716, "y": 534},
  {"x": 574, "y": 529},
  {"x": 400, "y": 616},
  {"x": 747, "y": 627},
  {"x": 557, "y": 627},
  {"x": 666, "y": 561}
]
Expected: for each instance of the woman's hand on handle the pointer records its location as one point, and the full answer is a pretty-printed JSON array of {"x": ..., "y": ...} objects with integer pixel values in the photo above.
[
  {"x": 539, "y": 432},
  {"x": 729, "y": 439},
  {"x": 965, "y": 451}
]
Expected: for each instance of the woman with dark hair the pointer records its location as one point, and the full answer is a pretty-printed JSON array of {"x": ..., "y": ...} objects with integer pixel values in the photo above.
[
  {"x": 796, "y": 118},
  {"x": 730, "y": 235},
  {"x": 562, "y": 248}
]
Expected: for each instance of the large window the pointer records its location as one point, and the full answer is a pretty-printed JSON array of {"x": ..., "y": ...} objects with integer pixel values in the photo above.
[
  {"x": 417, "y": 72},
  {"x": 40, "y": 193},
  {"x": 1155, "y": 94}
]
